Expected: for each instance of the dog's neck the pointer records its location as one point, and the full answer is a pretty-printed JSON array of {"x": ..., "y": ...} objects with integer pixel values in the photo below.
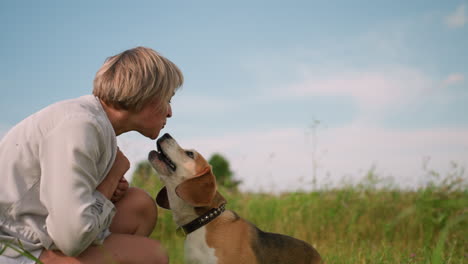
[{"x": 182, "y": 212}]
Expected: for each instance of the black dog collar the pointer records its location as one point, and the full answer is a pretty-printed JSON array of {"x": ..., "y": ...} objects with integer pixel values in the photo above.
[{"x": 200, "y": 221}]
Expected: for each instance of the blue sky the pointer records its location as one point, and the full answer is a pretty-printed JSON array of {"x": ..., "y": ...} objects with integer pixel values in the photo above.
[{"x": 286, "y": 90}]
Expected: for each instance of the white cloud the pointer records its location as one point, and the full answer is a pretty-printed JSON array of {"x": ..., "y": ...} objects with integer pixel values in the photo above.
[
  {"x": 372, "y": 91},
  {"x": 454, "y": 78},
  {"x": 283, "y": 159},
  {"x": 458, "y": 18}
]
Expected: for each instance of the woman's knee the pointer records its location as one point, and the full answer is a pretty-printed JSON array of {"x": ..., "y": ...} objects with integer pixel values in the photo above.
[
  {"x": 140, "y": 202},
  {"x": 136, "y": 213}
]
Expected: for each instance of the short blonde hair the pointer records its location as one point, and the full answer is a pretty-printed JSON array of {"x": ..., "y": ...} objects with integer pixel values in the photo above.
[{"x": 133, "y": 78}]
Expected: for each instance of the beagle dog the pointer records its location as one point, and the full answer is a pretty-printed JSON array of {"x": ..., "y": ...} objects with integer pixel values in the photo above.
[{"x": 213, "y": 234}]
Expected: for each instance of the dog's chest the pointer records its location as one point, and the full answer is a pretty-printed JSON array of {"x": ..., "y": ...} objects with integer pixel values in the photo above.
[{"x": 197, "y": 250}]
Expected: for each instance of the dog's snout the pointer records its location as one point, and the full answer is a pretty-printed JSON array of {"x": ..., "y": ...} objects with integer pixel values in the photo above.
[{"x": 166, "y": 136}]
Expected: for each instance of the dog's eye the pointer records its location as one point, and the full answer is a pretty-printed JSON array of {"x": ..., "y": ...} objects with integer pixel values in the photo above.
[{"x": 190, "y": 154}]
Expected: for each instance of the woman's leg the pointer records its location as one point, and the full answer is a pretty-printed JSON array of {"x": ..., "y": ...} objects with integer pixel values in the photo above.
[
  {"x": 134, "y": 220},
  {"x": 117, "y": 248}
]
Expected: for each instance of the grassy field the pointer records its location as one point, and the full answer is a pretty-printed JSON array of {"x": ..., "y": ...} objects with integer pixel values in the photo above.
[{"x": 352, "y": 224}]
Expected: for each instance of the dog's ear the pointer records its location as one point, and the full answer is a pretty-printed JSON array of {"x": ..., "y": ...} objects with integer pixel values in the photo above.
[
  {"x": 199, "y": 190},
  {"x": 162, "y": 200}
]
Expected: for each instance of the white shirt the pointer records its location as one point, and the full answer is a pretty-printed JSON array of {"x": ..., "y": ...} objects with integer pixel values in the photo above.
[{"x": 50, "y": 166}]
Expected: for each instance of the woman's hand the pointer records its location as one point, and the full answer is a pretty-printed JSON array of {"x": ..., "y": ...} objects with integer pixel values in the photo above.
[
  {"x": 122, "y": 188},
  {"x": 109, "y": 186}
]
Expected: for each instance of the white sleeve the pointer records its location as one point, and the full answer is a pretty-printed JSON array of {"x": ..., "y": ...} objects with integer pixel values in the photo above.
[{"x": 69, "y": 177}]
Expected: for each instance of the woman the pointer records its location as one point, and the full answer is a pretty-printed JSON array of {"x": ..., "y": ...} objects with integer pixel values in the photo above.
[{"x": 63, "y": 197}]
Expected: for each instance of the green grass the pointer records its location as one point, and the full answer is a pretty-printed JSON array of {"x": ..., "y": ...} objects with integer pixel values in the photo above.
[
  {"x": 359, "y": 223},
  {"x": 18, "y": 247},
  {"x": 353, "y": 224}
]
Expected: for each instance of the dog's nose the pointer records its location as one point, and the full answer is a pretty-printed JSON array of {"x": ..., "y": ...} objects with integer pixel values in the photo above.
[
  {"x": 166, "y": 136},
  {"x": 163, "y": 138}
]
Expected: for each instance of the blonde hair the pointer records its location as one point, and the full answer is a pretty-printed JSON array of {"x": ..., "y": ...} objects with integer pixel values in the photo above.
[{"x": 133, "y": 78}]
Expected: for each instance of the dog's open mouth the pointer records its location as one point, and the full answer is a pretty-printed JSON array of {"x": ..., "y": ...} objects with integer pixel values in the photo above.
[{"x": 164, "y": 158}]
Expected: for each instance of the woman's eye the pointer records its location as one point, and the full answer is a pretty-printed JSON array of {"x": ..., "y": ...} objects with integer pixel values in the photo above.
[{"x": 190, "y": 154}]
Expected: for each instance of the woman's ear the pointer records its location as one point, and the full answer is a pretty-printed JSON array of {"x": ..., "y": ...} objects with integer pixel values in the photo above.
[
  {"x": 162, "y": 200},
  {"x": 200, "y": 190}
]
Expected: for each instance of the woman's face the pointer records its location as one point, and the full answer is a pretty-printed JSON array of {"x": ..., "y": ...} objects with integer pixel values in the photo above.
[{"x": 151, "y": 119}]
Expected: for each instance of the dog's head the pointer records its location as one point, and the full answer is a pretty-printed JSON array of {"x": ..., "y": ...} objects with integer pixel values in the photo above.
[{"x": 185, "y": 173}]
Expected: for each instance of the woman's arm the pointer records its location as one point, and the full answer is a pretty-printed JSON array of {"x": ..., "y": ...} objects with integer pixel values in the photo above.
[{"x": 113, "y": 180}]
